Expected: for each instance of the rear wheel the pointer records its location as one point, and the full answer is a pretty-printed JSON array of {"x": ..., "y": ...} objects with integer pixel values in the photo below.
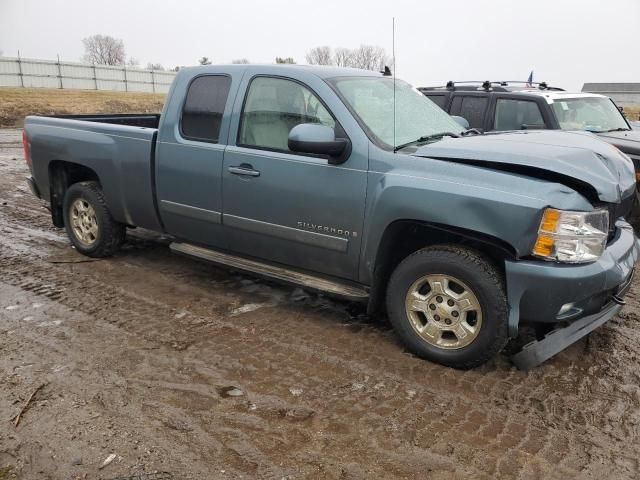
[
  {"x": 88, "y": 223},
  {"x": 448, "y": 305}
]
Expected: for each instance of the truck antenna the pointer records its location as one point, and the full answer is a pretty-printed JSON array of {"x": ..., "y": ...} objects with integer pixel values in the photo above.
[{"x": 393, "y": 54}]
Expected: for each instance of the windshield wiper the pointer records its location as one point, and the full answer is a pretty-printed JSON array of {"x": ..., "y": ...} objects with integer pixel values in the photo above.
[
  {"x": 426, "y": 138},
  {"x": 619, "y": 129}
]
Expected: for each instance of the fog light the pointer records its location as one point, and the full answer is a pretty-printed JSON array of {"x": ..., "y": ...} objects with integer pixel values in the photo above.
[
  {"x": 565, "y": 308},
  {"x": 568, "y": 311}
]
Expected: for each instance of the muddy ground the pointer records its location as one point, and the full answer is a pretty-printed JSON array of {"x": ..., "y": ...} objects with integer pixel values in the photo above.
[{"x": 176, "y": 366}]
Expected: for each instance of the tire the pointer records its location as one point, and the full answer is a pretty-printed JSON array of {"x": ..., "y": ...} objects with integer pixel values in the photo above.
[
  {"x": 89, "y": 225},
  {"x": 455, "y": 290}
]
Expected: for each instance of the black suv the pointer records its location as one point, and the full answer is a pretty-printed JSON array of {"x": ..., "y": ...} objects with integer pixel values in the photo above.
[{"x": 511, "y": 105}]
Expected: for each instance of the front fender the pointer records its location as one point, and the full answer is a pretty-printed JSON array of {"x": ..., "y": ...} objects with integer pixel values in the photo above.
[{"x": 495, "y": 204}]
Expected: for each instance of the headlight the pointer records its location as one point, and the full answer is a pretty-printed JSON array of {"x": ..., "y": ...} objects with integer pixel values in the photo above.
[{"x": 572, "y": 237}]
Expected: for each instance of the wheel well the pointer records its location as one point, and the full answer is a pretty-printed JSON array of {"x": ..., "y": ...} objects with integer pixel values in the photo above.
[
  {"x": 404, "y": 237},
  {"x": 61, "y": 176}
]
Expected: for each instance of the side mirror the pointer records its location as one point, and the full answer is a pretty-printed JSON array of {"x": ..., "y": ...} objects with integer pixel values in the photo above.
[
  {"x": 317, "y": 139},
  {"x": 461, "y": 121}
]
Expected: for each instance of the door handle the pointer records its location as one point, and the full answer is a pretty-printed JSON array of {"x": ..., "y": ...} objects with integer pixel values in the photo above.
[{"x": 244, "y": 169}]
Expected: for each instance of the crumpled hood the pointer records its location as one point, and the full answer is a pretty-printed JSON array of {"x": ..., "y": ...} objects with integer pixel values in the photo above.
[{"x": 579, "y": 155}]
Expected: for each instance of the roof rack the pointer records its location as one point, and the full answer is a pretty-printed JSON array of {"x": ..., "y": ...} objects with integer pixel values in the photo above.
[{"x": 488, "y": 85}]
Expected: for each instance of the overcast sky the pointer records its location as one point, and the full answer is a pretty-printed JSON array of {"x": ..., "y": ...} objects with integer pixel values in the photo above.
[{"x": 565, "y": 42}]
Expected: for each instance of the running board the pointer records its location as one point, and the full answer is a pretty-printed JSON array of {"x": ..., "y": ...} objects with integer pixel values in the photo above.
[{"x": 282, "y": 274}]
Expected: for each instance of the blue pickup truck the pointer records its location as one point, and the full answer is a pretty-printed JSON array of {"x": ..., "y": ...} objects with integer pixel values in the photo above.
[{"x": 355, "y": 184}]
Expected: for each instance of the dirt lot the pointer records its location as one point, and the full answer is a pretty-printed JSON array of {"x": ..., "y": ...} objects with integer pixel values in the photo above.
[
  {"x": 176, "y": 366},
  {"x": 17, "y": 103}
]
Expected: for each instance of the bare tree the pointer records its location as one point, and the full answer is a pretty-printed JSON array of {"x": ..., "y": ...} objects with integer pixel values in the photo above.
[
  {"x": 104, "y": 50},
  {"x": 133, "y": 62},
  {"x": 319, "y": 56},
  {"x": 285, "y": 60},
  {"x": 343, "y": 57},
  {"x": 204, "y": 61},
  {"x": 155, "y": 66},
  {"x": 240, "y": 61},
  {"x": 369, "y": 57}
]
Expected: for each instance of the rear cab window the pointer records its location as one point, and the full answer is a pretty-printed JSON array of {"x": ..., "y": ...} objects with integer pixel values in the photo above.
[{"x": 203, "y": 108}]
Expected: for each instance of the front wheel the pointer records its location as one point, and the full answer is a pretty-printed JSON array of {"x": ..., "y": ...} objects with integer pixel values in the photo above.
[
  {"x": 89, "y": 225},
  {"x": 449, "y": 306}
]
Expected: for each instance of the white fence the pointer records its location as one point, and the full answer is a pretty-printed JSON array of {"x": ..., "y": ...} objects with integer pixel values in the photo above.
[{"x": 22, "y": 72}]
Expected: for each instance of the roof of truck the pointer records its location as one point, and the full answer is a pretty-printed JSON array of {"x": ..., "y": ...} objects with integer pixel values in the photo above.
[{"x": 319, "y": 70}]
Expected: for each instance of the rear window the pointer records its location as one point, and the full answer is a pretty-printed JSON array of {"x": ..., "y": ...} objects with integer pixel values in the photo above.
[{"x": 204, "y": 107}]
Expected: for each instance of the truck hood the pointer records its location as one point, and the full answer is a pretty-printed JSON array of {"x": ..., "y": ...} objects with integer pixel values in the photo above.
[{"x": 580, "y": 158}]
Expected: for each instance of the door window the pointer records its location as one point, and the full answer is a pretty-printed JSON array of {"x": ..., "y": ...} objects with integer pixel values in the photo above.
[
  {"x": 273, "y": 107},
  {"x": 471, "y": 108},
  {"x": 439, "y": 100},
  {"x": 204, "y": 107},
  {"x": 517, "y": 115}
]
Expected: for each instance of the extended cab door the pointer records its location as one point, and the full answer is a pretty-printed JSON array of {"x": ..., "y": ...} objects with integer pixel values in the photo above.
[
  {"x": 190, "y": 151},
  {"x": 286, "y": 207}
]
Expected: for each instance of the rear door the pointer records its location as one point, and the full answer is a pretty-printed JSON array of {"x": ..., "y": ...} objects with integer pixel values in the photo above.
[
  {"x": 190, "y": 152},
  {"x": 286, "y": 207}
]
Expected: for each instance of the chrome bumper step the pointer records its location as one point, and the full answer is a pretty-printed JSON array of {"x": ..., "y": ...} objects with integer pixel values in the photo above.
[{"x": 278, "y": 273}]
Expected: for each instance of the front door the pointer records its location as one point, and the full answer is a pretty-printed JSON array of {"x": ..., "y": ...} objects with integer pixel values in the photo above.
[{"x": 298, "y": 210}]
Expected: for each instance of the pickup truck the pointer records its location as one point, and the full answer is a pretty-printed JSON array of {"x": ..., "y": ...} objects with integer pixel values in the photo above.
[
  {"x": 354, "y": 184},
  {"x": 502, "y": 106}
]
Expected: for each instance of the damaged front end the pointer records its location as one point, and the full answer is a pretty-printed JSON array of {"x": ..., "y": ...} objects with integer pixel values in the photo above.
[{"x": 572, "y": 294}]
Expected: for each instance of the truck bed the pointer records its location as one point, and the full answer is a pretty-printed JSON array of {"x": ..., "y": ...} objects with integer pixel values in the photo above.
[
  {"x": 146, "y": 120},
  {"x": 119, "y": 149}
]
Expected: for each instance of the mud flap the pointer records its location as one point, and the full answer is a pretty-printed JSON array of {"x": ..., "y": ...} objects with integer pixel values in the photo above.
[{"x": 534, "y": 353}]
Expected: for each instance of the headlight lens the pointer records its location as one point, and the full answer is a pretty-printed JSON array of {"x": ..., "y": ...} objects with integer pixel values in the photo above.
[{"x": 572, "y": 237}]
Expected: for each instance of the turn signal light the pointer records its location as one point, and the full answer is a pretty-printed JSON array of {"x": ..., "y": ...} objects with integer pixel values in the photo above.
[
  {"x": 550, "y": 220},
  {"x": 544, "y": 246}
]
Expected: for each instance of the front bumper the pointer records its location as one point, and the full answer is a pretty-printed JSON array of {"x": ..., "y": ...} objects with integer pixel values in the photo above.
[
  {"x": 536, "y": 290},
  {"x": 537, "y": 352}
]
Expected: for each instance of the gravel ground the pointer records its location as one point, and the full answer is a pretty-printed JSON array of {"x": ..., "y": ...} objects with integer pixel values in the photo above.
[{"x": 176, "y": 366}]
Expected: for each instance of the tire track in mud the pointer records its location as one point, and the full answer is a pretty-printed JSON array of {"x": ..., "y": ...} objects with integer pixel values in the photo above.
[
  {"x": 363, "y": 398},
  {"x": 133, "y": 313}
]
